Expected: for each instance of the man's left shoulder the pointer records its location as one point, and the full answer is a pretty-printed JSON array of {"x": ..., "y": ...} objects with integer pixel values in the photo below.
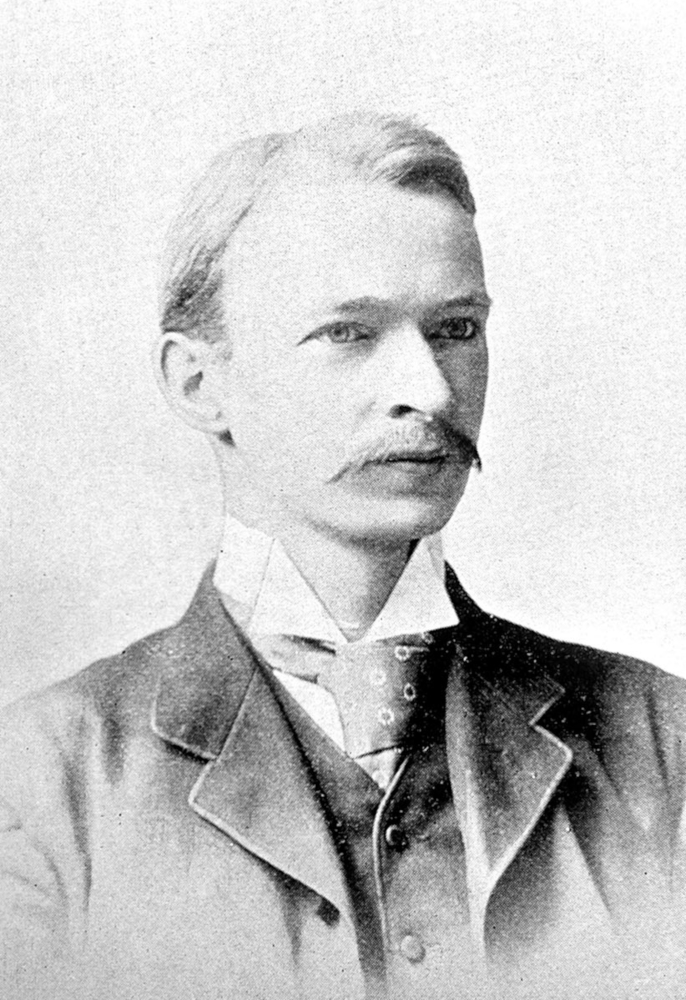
[
  {"x": 611, "y": 695},
  {"x": 604, "y": 676},
  {"x": 595, "y": 682}
]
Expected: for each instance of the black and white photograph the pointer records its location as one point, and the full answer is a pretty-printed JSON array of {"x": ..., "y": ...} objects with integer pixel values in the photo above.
[{"x": 343, "y": 471}]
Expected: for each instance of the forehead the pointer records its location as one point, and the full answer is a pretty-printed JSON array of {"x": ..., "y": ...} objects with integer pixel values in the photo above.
[{"x": 316, "y": 245}]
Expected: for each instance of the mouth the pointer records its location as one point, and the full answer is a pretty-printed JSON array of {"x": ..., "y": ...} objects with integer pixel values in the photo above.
[
  {"x": 414, "y": 453},
  {"x": 417, "y": 457}
]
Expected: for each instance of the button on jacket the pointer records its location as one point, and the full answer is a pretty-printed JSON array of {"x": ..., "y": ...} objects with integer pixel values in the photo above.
[
  {"x": 160, "y": 835},
  {"x": 404, "y": 881}
]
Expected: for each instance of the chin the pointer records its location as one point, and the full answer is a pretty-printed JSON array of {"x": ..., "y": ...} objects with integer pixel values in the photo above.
[{"x": 396, "y": 522}]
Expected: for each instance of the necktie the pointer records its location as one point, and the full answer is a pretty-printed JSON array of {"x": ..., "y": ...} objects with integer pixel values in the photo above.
[
  {"x": 382, "y": 691},
  {"x": 386, "y": 694}
]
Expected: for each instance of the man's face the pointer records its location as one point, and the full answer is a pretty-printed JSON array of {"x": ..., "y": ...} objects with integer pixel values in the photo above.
[{"x": 356, "y": 317}]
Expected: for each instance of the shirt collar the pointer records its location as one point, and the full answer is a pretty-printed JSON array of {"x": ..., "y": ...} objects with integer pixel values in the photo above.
[{"x": 255, "y": 573}]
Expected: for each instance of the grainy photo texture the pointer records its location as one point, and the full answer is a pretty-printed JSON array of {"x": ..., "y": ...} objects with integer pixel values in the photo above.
[{"x": 340, "y": 737}]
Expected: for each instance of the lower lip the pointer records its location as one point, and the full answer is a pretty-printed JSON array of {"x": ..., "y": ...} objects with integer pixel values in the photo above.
[
  {"x": 416, "y": 464},
  {"x": 430, "y": 480},
  {"x": 412, "y": 469}
]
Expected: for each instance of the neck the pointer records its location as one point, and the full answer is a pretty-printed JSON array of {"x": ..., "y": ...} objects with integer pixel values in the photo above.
[{"x": 352, "y": 579}]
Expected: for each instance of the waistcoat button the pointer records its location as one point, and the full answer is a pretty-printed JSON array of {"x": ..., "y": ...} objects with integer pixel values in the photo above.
[
  {"x": 395, "y": 836},
  {"x": 412, "y": 948}
]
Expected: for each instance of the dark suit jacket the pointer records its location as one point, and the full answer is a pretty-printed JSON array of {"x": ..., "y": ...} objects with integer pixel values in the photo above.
[{"x": 159, "y": 835}]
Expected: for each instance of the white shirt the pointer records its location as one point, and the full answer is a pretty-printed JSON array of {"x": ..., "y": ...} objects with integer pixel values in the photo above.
[{"x": 271, "y": 601}]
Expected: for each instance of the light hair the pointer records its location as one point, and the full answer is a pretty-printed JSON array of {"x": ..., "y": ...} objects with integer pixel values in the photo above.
[{"x": 365, "y": 146}]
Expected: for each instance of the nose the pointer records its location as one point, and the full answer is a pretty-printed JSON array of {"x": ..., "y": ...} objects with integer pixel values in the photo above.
[{"x": 408, "y": 376}]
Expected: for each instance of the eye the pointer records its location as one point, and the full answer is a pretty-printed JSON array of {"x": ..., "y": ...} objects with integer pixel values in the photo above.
[
  {"x": 454, "y": 328},
  {"x": 344, "y": 333}
]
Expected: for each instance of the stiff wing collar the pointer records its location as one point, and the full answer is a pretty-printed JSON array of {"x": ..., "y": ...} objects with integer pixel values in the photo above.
[
  {"x": 256, "y": 574},
  {"x": 205, "y": 665}
]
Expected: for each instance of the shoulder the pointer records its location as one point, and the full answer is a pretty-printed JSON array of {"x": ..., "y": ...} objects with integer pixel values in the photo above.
[
  {"x": 111, "y": 696},
  {"x": 595, "y": 678},
  {"x": 192, "y": 668},
  {"x": 602, "y": 678},
  {"x": 624, "y": 708}
]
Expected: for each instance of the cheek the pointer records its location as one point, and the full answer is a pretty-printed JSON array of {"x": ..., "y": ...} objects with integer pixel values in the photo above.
[
  {"x": 468, "y": 377},
  {"x": 258, "y": 393},
  {"x": 294, "y": 422},
  {"x": 479, "y": 380}
]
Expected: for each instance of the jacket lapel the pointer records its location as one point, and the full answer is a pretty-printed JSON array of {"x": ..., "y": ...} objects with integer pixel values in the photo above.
[
  {"x": 214, "y": 701},
  {"x": 504, "y": 764}
]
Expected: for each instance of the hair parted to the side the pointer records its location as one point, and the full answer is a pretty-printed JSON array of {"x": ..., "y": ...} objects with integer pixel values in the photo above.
[{"x": 365, "y": 146}]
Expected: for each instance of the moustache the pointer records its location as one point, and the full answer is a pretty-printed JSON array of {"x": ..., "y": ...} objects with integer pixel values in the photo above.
[{"x": 435, "y": 439}]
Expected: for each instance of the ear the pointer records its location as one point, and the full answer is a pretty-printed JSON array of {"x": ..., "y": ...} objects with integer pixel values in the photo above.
[{"x": 187, "y": 372}]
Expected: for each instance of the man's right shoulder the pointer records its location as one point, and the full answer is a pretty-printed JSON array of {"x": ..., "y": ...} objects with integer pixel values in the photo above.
[{"x": 115, "y": 692}]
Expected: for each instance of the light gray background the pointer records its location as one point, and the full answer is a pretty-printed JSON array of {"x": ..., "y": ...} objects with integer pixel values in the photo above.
[{"x": 570, "y": 118}]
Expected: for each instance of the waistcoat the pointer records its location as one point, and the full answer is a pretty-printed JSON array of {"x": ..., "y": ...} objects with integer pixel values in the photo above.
[{"x": 404, "y": 862}]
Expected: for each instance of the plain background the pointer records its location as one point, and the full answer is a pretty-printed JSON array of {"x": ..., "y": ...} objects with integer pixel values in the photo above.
[{"x": 570, "y": 119}]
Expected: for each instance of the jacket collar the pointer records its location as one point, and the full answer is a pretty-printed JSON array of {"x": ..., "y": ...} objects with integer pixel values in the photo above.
[
  {"x": 204, "y": 669},
  {"x": 505, "y": 766},
  {"x": 214, "y": 701}
]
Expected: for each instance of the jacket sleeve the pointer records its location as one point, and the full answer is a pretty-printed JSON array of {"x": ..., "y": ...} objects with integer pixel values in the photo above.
[{"x": 43, "y": 867}]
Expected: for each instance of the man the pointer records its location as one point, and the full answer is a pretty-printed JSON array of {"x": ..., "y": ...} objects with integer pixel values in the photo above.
[{"x": 337, "y": 777}]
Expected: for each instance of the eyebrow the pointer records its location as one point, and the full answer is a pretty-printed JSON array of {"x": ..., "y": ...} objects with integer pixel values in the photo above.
[
  {"x": 483, "y": 301},
  {"x": 368, "y": 303}
]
